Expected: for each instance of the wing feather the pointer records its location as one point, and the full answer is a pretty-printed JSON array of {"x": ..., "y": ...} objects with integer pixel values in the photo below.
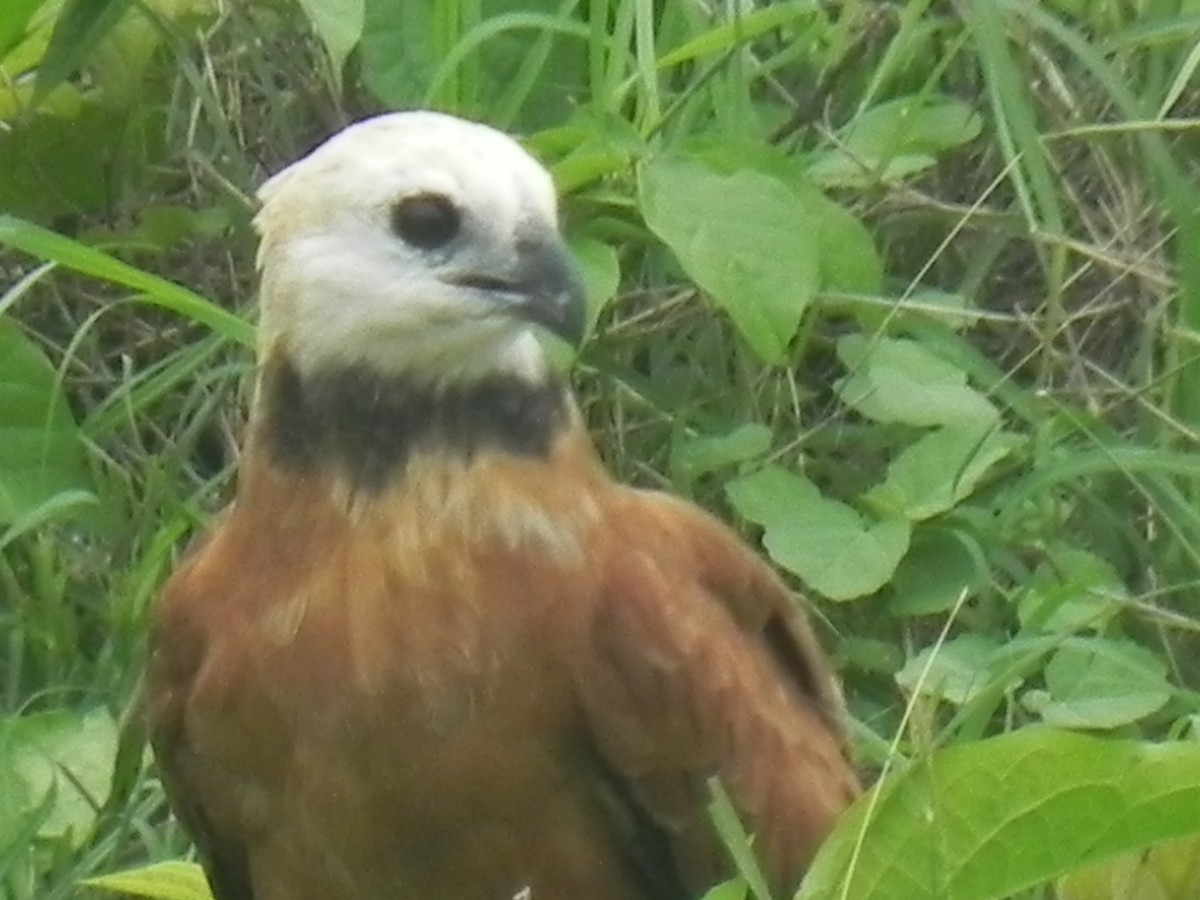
[
  {"x": 176, "y": 657},
  {"x": 699, "y": 663}
]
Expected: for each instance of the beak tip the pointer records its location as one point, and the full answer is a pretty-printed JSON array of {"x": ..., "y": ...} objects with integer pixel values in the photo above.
[
  {"x": 560, "y": 306},
  {"x": 575, "y": 315},
  {"x": 563, "y": 314}
]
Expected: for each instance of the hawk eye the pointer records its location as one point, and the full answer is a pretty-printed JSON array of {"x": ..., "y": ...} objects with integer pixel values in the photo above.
[{"x": 426, "y": 220}]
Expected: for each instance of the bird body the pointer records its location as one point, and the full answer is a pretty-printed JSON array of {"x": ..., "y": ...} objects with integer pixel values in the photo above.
[{"x": 432, "y": 649}]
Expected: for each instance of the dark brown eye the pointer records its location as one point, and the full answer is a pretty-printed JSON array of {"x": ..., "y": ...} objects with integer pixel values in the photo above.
[{"x": 426, "y": 220}]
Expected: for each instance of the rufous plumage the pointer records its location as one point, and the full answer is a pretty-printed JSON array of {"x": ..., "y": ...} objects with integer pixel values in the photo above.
[{"x": 432, "y": 649}]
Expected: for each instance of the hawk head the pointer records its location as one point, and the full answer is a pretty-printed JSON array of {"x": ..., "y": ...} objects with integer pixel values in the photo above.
[{"x": 415, "y": 243}]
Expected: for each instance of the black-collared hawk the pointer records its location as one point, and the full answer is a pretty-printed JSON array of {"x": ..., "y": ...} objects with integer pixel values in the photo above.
[{"x": 433, "y": 651}]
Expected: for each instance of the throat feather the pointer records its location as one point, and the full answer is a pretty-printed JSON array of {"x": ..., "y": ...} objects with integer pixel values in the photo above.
[{"x": 370, "y": 425}]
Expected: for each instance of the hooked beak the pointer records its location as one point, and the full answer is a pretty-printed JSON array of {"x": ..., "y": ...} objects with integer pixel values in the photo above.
[{"x": 545, "y": 287}]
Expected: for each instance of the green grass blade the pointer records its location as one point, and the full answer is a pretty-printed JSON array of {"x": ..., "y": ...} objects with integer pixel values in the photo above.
[{"x": 49, "y": 245}]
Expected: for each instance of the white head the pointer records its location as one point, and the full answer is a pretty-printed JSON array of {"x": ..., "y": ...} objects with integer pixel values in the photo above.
[{"x": 416, "y": 243}]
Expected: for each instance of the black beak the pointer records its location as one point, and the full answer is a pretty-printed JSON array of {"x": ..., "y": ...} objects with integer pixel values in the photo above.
[
  {"x": 545, "y": 287},
  {"x": 553, "y": 288}
]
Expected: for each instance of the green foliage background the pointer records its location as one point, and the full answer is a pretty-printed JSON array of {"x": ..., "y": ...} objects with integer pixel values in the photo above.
[{"x": 909, "y": 291}]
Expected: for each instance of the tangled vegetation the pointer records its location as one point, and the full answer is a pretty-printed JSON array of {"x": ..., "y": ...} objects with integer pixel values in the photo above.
[{"x": 910, "y": 291}]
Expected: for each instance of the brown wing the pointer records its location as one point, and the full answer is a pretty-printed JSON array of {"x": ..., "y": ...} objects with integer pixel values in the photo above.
[
  {"x": 698, "y": 663},
  {"x": 177, "y": 649}
]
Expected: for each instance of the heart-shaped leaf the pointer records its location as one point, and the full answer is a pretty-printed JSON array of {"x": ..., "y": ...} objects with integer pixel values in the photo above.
[
  {"x": 828, "y": 544},
  {"x": 744, "y": 237}
]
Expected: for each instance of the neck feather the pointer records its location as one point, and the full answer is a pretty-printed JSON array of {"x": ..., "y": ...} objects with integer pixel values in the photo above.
[{"x": 369, "y": 425}]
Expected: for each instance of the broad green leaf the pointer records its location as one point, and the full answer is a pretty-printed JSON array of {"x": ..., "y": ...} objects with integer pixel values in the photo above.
[
  {"x": 82, "y": 147},
  {"x": 985, "y": 820},
  {"x": 834, "y": 550},
  {"x": 173, "y": 880},
  {"x": 870, "y": 655},
  {"x": 745, "y": 238},
  {"x": 729, "y": 890},
  {"x": 836, "y": 168},
  {"x": 166, "y": 226},
  {"x": 762, "y": 497},
  {"x": 22, "y": 57},
  {"x": 941, "y": 568},
  {"x": 1123, "y": 878},
  {"x": 80, "y": 26},
  {"x": 696, "y": 455},
  {"x": 589, "y": 147},
  {"x": 41, "y": 450},
  {"x": 938, "y": 570},
  {"x": 956, "y": 671},
  {"x": 1167, "y": 872},
  {"x": 14, "y": 18},
  {"x": 729, "y": 154},
  {"x": 121, "y": 62},
  {"x": 490, "y": 59},
  {"x": 601, "y": 274},
  {"x": 19, "y": 807},
  {"x": 339, "y": 24},
  {"x": 942, "y": 468},
  {"x": 398, "y": 58},
  {"x": 828, "y": 544},
  {"x": 1101, "y": 683},
  {"x": 895, "y": 139},
  {"x": 64, "y": 756},
  {"x": 1072, "y": 591},
  {"x": 848, "y": 260},
  {"x": 587, "y": 164},
  {"x": 898, "y": 380}
]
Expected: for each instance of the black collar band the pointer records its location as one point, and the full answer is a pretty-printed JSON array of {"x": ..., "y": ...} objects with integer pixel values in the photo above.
[{"x": 370, "y": 425}]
